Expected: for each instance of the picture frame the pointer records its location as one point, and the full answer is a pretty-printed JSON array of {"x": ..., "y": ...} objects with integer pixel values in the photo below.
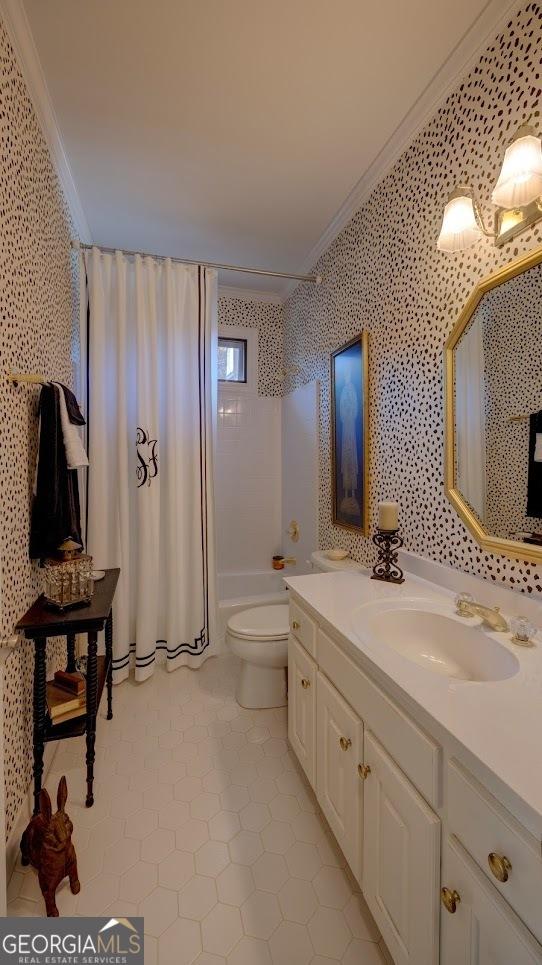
[{"x": 350, "y": 434}]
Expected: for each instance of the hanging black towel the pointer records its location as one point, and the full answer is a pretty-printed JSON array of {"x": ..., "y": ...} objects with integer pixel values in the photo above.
[
  {"x": 56, "y": 515},
  {"x": 534, "y": 481}
]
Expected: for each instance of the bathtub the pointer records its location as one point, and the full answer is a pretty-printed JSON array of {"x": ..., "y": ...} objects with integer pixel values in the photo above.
[{"x": 237, "y": 591}]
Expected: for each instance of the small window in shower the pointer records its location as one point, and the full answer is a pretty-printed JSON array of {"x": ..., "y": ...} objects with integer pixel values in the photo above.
[{"x": 232, "y": 359}]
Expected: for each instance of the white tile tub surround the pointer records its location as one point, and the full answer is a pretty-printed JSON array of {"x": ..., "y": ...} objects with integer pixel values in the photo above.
[
  {"x": 248, "y": 480},
  {"x": 300, "y": 473},
  {"x": 204, "y": 825},
  {"x": 266, "y": 465},
  {"x": 233, "y": 587}
]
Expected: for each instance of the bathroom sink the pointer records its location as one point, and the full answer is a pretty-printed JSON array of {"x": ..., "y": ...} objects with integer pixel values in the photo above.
[{"x": 439, "y": 641}]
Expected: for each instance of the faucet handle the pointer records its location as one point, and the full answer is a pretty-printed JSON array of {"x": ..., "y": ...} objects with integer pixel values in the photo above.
[
  {"x": 462, "y": 602},
  {"x": 522, "y": 631}
]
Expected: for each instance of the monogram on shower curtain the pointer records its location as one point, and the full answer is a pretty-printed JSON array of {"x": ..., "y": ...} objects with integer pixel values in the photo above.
[{"x": 151, "y": 350}]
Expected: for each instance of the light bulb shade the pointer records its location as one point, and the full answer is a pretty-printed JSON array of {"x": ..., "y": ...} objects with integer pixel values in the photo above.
[
  {"x": 520, "y": 180},
  {"x": 459, "y": 226}
]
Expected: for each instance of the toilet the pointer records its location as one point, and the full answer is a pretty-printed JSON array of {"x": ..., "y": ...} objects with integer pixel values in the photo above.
[
  {"x": 321, "y": 564},
  {"x": 259, "y": 637}
]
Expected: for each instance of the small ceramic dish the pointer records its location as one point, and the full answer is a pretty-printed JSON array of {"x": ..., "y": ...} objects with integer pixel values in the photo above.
[{"x": 337, "y": 554}]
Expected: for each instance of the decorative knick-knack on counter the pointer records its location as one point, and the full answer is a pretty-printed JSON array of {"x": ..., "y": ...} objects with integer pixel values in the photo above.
[{"x": 388, "y": 542}]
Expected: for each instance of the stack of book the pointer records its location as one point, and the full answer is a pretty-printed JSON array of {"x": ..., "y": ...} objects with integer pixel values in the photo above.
[{"x": 66, "y": 696}]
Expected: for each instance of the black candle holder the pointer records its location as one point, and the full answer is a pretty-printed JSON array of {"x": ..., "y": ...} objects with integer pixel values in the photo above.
[{"x": 387, "y": 569}]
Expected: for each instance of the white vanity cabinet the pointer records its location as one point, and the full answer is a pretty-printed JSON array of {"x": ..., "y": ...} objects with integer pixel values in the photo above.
[
  {"x": 392, "y": 840},
  {"x": 392, "y": 793},
  {"x": 478, "y": 927},
  {"x": 339, "y": 749}
]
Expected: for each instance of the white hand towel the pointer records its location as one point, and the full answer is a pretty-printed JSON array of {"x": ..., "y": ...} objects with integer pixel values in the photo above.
[
  {"x": 538, "y": 447},
  {"x": 76, "y": 456}
]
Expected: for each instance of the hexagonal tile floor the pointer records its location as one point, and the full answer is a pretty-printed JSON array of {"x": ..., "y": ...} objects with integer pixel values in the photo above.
[{"x": 204, "y": 824}]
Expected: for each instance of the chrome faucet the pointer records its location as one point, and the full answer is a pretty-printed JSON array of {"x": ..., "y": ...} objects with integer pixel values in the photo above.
[{"x": 466, "y": 606}]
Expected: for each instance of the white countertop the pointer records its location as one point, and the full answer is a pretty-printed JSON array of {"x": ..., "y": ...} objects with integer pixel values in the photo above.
[{"x": 498, "y": 722}]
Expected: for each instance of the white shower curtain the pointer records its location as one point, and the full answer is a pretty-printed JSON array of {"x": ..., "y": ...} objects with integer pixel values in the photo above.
[{"x": 150, "y": 340}]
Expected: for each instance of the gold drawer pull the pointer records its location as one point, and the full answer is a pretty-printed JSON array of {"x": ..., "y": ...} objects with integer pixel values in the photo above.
[
  {"x": 450, "y": 900},
  {"x": 364, "y": 770},
  {"x": 296, "y": 625},
  {"x": 305, "y": 683},
  {"x": 500, "y": 866},
  {"x": 345, "y": 743}
]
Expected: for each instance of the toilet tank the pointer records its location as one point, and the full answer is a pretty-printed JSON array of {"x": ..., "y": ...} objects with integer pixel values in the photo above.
[{"x": 321, "y": 564}]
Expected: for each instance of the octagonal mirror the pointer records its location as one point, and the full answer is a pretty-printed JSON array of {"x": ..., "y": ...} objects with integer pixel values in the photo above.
[{"x": 493, "y": 417}]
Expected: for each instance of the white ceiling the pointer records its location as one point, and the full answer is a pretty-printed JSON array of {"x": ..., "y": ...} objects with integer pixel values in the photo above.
[{"x": 233, "y": 130}]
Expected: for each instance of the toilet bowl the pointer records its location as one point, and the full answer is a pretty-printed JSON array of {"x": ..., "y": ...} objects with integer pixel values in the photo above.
[{"x": 259, "y": 637}]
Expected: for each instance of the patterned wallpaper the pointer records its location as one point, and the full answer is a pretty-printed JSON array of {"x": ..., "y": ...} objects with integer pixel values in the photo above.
[
  {"x": 384, "y": 273},
  {"x": 267, "y": 318},
  {"x": 37, "y": 288}
]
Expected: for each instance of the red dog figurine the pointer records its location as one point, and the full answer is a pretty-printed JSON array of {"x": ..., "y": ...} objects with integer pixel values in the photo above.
[{"x": 47, "y": 845}]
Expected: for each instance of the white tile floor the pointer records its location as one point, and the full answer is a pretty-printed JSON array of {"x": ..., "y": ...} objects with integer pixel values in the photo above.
[{"x": 203, "y": 824}]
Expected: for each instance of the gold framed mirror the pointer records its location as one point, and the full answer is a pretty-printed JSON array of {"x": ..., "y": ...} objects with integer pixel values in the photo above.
[{"x": 493, "y": 411}]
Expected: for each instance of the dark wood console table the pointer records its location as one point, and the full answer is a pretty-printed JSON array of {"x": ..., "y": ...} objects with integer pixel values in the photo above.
[{"x": 39, "y": 624}]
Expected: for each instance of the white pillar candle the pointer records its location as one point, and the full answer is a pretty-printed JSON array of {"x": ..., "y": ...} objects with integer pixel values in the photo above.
[{"x": 388, "y": 515}]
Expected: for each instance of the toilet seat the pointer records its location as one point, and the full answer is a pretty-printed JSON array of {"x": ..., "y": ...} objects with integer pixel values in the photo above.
[{"x": 261, "y": 623}]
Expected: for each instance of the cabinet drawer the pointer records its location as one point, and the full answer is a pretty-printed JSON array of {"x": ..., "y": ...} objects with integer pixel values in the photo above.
[
  {"x": 415, "y": 753},
  {"x": 483, "y": 929},
  {"x": 484, "y": 827},
  {"x": 303, "y": 627}
]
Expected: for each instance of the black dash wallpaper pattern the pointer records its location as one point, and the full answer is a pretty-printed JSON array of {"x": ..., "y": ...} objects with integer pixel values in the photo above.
[
  {"x": 384, "y": 273},
  {"x": 266, "y": 317},
  {"x": 37, "y": 288}
]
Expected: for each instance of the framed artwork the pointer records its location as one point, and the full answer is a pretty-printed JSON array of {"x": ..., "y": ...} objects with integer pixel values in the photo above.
[{"x": 349, "y": 434}]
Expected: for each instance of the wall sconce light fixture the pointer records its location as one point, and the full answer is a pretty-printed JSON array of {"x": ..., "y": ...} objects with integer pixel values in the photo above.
[{"x": 517, "y": 196}]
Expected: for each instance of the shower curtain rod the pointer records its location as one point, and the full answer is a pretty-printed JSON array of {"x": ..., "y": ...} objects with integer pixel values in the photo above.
[{"x": 312, "y": 279}]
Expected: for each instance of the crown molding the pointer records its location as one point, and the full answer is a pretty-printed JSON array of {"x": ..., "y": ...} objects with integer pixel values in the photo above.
[
  {"x": 249, "y": 295},
  {"x": 22, "y": 41},
  {"x": 460, "y": 61}
]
